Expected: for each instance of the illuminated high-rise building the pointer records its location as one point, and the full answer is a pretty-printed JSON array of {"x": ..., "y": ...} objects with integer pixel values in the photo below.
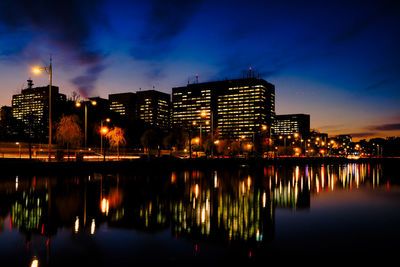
[
  {"x": 30, "y": 109},
  {"x": 238, "y": 108},
  {"x": 153, "y": 107},
  {"x": 290, "y": 124}
]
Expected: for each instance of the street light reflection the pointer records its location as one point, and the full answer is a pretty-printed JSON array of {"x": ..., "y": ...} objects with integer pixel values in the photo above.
[
  {"x": 35, "y": 262},
  {"x": 76, "y": 224},
  {"x": 105, "y": 205},
  {"x": 92, "y": 227}
]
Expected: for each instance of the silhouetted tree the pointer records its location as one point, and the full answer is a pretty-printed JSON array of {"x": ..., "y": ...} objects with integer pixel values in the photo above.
[{"x": 151, "y": 139}]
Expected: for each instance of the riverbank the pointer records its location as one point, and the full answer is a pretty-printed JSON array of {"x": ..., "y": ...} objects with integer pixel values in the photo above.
[{"x": 34, "y": 167}]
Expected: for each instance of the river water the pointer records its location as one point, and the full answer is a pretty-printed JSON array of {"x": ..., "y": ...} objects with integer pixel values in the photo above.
[{"x": 280, "y": 214}]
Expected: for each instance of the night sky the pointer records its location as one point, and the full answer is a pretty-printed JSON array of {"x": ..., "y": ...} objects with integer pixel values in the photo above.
[{"x": 336, "y": 60}]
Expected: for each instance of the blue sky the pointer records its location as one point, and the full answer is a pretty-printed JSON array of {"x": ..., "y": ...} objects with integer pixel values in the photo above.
[{"x": 336, "y": 60}]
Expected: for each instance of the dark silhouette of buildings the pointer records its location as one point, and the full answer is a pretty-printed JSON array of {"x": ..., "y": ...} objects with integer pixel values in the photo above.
[
  {"x": 124, "y": 104},
  {"x": 150, "y": 106}
]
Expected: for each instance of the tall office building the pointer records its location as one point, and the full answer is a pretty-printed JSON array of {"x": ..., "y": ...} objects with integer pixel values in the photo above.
[
  {"x": 30, "y": 108},
  {"x": 124, "y": 104},
  {"x": 153, "y": 107},
  {"x": 289, "y": 124},
  {"x": 239, "y": 107},
  {"x": 190, "y": 101}
]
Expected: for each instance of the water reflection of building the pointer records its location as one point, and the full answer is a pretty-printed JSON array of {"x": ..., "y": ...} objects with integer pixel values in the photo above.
[
  {"x": 216, "y": 206},
  {"x": 145, "y": 208},
  {"x": 223, "y": 210},
  {"x": 29, "y": 210}
]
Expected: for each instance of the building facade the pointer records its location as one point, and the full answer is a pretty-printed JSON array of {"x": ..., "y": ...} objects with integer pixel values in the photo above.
[
  {"x": 238, "y": 108},
  {"x": 153, "y": 107},
  {"x": 290, "y": 124},
  {"x": 30, "y": 109},
  {"x": 124, "y": 104}
]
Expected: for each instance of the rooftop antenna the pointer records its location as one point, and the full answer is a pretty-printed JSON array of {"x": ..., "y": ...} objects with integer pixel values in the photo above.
[
  {"x": 197, "y": 78},
  {"x": 250, "y": 72},
  {"x": 30, "y": 83}
]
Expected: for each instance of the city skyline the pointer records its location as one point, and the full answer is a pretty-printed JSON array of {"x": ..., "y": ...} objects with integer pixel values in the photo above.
[{"x": 335, "y": 61}]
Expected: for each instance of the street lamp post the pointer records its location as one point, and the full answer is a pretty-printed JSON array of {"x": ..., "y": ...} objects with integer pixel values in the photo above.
[
  {"x": 212, "y": 133},
  {"x": 202, "y": 115},
  {"x": 48, "y": 70},
  {"x": 103, "y": 131},
  {"x": 260, "y": 135},
  {"x": 241, "y": 138},
  {"x": 85, "y": 103},
  {"x": 190, "y": 139}
]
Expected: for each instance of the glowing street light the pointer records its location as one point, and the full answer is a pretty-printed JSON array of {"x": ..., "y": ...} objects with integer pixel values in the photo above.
[
  {"x": 203, "y": 115},
  {"x": 48, "y": 70},
  {"x": 36, "y": 70},
  {"x": 103, "y": 131}
]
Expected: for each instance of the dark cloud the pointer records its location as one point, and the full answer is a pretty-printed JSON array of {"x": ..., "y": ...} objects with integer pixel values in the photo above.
[
  {"x": 385, "y": 127},
  {"x": 383, "y": 9},
  {"x": 366, "y": 134},
  {"x": 85, "y": 83},
  {"x": 237, "y": 63},
  {"x": 377, "y": 85},
  {"x": 166, "y": 20},
  {"x": 64, "y": 24}
]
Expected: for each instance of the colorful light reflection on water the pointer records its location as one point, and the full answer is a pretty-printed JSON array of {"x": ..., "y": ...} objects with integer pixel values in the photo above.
[{"x": 236, "y": 215}]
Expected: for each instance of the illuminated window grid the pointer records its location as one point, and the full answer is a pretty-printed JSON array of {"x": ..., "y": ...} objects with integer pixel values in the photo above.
[
  {"x": 240, "y": 111},
  {"x": 118, "y": 107},
  {"x": 29, "y": 108},
  {"x": 187, "y": 109}
]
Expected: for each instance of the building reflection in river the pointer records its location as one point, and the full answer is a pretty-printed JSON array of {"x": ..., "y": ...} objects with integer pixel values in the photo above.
[{"x": 219, "y": 206}]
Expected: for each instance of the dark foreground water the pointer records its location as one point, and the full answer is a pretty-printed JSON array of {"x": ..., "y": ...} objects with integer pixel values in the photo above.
[{"x": 301, "y": 214}]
